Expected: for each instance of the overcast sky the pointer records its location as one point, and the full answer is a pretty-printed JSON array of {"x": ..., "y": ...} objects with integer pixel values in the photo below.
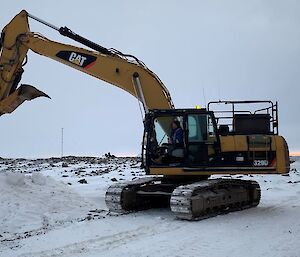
[{"x": 237, "y": 50}]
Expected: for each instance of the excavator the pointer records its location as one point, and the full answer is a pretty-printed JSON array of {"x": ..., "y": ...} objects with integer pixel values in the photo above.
[{"x": 226, "y": 138}]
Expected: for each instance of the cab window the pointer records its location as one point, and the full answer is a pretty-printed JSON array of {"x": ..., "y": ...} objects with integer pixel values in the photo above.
[
  {"x": 197, "y": 125},
  {"x": 200, "y": 128}
]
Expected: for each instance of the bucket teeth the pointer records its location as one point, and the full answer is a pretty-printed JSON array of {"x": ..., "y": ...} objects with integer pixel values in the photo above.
[
  {"x": 30, "y": 92},
  {"x": 22, "y": 94}
]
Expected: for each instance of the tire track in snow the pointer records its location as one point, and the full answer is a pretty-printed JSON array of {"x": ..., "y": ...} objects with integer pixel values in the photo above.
[{"x": 101, "y": 244}]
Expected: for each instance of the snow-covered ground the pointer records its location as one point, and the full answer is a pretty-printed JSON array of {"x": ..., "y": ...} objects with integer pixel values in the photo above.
[{"x": 55, "y": 207}]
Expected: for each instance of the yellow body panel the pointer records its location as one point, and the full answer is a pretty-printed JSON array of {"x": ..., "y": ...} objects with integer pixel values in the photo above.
[
  {"x": 239, "y": 143},
  {"x": 233, "y": 143},
  {"x": 282, "y": 155}
]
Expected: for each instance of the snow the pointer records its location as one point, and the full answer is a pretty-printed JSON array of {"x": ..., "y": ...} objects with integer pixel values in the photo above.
[{"x": 45, "y": 211}]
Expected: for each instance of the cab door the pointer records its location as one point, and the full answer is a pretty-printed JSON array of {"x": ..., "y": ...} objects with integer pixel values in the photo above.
[{"x": 201, "y": 139}]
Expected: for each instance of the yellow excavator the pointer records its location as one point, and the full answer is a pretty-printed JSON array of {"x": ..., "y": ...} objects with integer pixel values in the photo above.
[{"x": 181, "y": 148}]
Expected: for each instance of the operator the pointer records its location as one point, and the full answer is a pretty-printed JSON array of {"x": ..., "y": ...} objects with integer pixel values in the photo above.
[{"x": 176, "y": 138}]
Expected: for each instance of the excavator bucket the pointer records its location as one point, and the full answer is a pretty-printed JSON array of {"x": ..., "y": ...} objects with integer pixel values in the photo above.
[
  {"x": 14, "y": 100},
  {"x": 12, "y": 56}
]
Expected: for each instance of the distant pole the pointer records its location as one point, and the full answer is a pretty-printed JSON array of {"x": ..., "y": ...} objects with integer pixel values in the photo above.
[
  {"x": 203, "y": 91},
  {"x": 62, "y": 142}
]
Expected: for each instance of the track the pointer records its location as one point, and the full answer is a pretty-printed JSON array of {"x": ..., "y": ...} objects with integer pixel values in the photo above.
[
  {"x": 122, "y": 198},
  {"x": 209, "y": 198}
]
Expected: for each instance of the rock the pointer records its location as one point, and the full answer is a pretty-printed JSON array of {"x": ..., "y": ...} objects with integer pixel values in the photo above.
[
  {"x": 82, "y": 181},
  {"x": 64, "y": 165},
  {"x": 114, "y": 179},
  {"x": 64, "y": 176},
  {"x": 78, "y": 172},
  {"x": 109, "y": 155}
]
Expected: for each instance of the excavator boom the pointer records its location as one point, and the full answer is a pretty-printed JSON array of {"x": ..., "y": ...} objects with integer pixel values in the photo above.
[{"x": 110, "y": 65}]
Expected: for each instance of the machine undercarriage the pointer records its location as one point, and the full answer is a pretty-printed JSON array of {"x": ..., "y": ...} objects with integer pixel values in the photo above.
[{"x": 189, "y": 201}]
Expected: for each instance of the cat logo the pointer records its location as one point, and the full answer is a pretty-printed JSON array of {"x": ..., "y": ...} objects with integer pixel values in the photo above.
[
  {"x": 77, "y": 59},
  {"x": 82, "y": 60}
]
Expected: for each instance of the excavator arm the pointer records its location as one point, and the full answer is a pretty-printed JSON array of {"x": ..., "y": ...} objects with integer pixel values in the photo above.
[
  {"x": 110, "y": 65},
  {"x": 12, "y": 55}
]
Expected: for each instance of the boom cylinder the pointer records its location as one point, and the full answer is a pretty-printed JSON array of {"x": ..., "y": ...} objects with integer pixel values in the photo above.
[{"x": 65, "y": 31}]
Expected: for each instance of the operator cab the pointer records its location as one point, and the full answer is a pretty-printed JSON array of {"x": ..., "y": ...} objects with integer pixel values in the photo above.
[
  {"x": 193, "y": 142},
  {"x": 228, "y": 138}
]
